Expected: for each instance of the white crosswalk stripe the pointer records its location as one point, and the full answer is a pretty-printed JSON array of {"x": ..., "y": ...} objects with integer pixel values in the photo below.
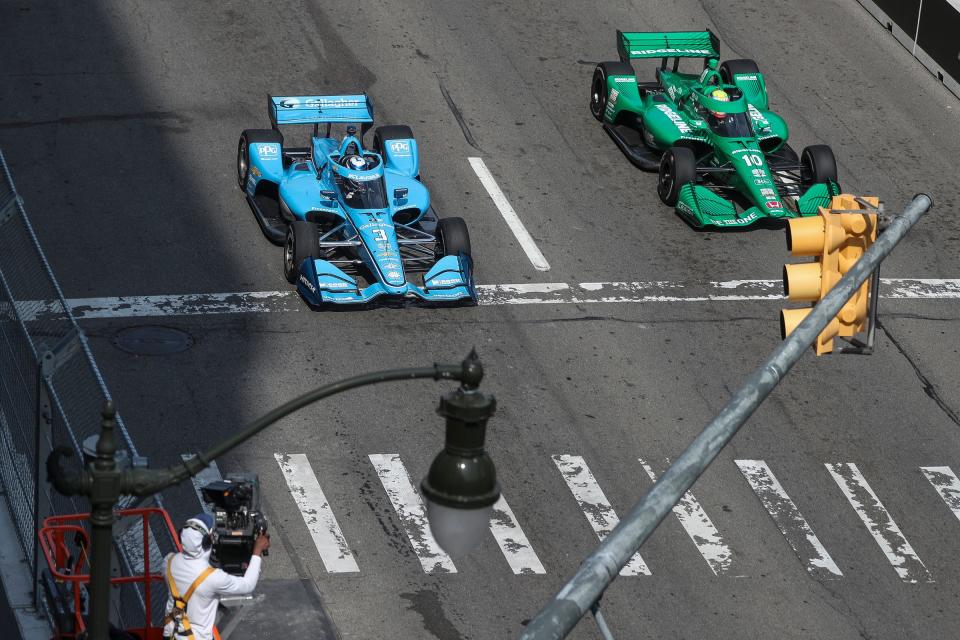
[
  {"x": 523, "y": 559},
  {"x": 879, "y": 523},
  {"x": 317, "y": 514},
  {"x": 595, "y": 506},
  {"x": 945, "y": 481},
  {"x": 789, "y": 520},
  {"x": 700, "y": 528},
  {"x": 409, "y": 507},
  {"x": 513, "y": 541}
]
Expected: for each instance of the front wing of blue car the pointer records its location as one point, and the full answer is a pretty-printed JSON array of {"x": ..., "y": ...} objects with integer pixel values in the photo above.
[{"x": 448, "y": 282}]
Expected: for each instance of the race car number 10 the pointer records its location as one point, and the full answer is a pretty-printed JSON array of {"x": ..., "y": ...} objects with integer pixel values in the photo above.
[{"x": 752, "y": 159}]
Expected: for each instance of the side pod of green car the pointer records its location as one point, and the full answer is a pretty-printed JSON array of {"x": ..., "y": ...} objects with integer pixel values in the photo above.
[{"x": 721, "y": 153}]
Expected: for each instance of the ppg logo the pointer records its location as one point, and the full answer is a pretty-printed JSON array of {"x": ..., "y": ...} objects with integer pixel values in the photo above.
[
  {"x": 400, "y": 147},
  {"x": 269, "y": 150}
]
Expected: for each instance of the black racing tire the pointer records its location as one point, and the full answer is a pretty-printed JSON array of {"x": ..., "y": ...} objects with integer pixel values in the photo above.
[
  {"x": 390, "y": 132},
  {"x": 247, "y": 138},
  {"x": 818, "y": 164},
  {"x": 452, "y": 238},
  {"x": 678, "y": 166},
  {"x": 598, "y": 86},
  {"x": 303, "y": 241},
  {"x": 731, "y": 68}
]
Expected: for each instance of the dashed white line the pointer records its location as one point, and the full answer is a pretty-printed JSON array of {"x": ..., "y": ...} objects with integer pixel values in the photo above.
[
  {"x": 595, "y": 506},
  {"x": 879, "y": 523},
  {"x": 317, "y": 514},
  {"x": 789, "y": 520},
  {"x": 488, "y": 295},
  {"x": 409, "y": 507},
  {"x": 506, "y": 210},
  {"x": 945, "y": 481},
  {"x": 700, "y": 528},
  {"x": 513, "y": 542}
]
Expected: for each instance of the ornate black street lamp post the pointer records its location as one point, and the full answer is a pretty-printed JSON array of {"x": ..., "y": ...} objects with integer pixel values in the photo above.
[{"x": 460, "y": 488}]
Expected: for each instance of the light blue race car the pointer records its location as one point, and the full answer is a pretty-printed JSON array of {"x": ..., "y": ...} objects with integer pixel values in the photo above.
[{"x": 356, "y": 224}]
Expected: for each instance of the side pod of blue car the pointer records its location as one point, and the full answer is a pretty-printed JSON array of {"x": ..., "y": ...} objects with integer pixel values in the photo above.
[{"x": 356, "y": 224}]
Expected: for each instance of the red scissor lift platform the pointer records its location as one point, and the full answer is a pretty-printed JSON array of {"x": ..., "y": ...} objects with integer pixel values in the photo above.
[{"x": 65, "y": 541}]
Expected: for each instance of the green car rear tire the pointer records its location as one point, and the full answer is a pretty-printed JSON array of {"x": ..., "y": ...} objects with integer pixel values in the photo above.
[{"x": 598, "y": 86}]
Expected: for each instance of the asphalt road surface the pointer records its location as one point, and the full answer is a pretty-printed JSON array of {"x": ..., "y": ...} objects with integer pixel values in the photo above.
[{"x": 120, "y": 120}]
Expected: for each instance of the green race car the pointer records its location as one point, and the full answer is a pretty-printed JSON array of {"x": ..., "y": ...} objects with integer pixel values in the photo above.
[{"x": 722, "y": 155}]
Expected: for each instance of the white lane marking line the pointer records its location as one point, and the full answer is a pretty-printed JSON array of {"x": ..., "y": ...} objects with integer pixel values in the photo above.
[
  {"x": 210, "y": 473},
  {"x": 789, "y": 520},
  {"x": 513, "y": 220},
  {"x": 413, "y": 516},
  {"x": 879, "y": 523},
  {"x": 945, "y": 481},
  {"x": 316, "y": 512},
  {"x": 513, "y": 542},
  {"x": 488, "y": 294},
  {"x": 595, "y": 505},
  {"x": 700, "y": 528}
]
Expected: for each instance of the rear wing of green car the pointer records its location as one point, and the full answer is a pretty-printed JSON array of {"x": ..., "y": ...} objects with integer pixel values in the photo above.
[{"x": 667, "y": 44}]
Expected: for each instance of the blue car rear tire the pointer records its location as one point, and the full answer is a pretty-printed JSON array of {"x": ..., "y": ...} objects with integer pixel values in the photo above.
[{"x": 248, "y": 137}]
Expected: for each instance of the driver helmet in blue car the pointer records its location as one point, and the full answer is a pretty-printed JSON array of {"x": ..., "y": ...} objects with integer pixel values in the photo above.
[{"x": 355, "y": 162}]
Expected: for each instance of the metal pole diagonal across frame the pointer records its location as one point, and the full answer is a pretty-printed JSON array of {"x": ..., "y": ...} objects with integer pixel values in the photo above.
[{"x": 602, "y": 566}]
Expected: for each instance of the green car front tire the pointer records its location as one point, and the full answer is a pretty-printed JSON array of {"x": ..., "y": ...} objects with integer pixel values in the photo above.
[
  {"x": 818, "y": 164},
  {"x": 678, "y": 166}
]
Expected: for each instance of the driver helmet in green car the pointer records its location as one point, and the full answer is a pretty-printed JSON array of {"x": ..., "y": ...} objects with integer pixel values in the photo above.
[{"x": 721, "y": 96}]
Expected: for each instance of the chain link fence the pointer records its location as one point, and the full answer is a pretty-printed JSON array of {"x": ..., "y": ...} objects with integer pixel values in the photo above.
[{"x": 51, "y": 394}]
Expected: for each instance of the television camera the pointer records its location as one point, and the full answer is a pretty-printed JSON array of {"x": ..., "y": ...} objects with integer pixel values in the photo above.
[{"x": 238, "y": 520}]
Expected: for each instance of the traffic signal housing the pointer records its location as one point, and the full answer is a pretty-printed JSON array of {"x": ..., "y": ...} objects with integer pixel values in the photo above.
[{"x": 836, "y": 237}]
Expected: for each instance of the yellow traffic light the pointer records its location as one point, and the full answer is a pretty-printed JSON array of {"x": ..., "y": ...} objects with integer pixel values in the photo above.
[{"x": 837, "y": 238}]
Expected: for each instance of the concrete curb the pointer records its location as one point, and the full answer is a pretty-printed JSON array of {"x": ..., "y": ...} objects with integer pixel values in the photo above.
[{"x": 16, "y": 586}]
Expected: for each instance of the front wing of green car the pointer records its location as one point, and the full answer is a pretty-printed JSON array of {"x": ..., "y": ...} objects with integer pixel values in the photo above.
[{"x": 701, "y": 207}]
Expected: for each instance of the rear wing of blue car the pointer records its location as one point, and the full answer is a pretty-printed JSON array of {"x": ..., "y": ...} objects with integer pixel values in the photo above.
[
  {"x": 667, "y": 44},
  {"x": 354, "y": 109}
]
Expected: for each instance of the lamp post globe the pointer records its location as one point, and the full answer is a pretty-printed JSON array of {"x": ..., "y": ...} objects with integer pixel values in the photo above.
[
  {"x": 460, "y": 493},
  {"x": 461, "y": 486}
]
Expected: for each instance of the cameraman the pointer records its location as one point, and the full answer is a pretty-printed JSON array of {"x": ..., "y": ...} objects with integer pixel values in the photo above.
[{"x": 195, "y": 587}]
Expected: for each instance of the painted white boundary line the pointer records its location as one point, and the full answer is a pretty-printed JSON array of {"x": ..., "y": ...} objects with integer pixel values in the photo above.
[
  {"x": 513, "y": 220},
  {"x": 879, "y": 523},
  {"x": 595, "y": 506},
  {"x": 413, "y": 516},
  {"x": 945, "y": 481},
  {"x": 700, "y": 528},
  {"x": 316, "y": 512},
  {"x": 789, "y": 520},
  {"x": 513, "y": 541},
  {"x": 488, "y": 294}
]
